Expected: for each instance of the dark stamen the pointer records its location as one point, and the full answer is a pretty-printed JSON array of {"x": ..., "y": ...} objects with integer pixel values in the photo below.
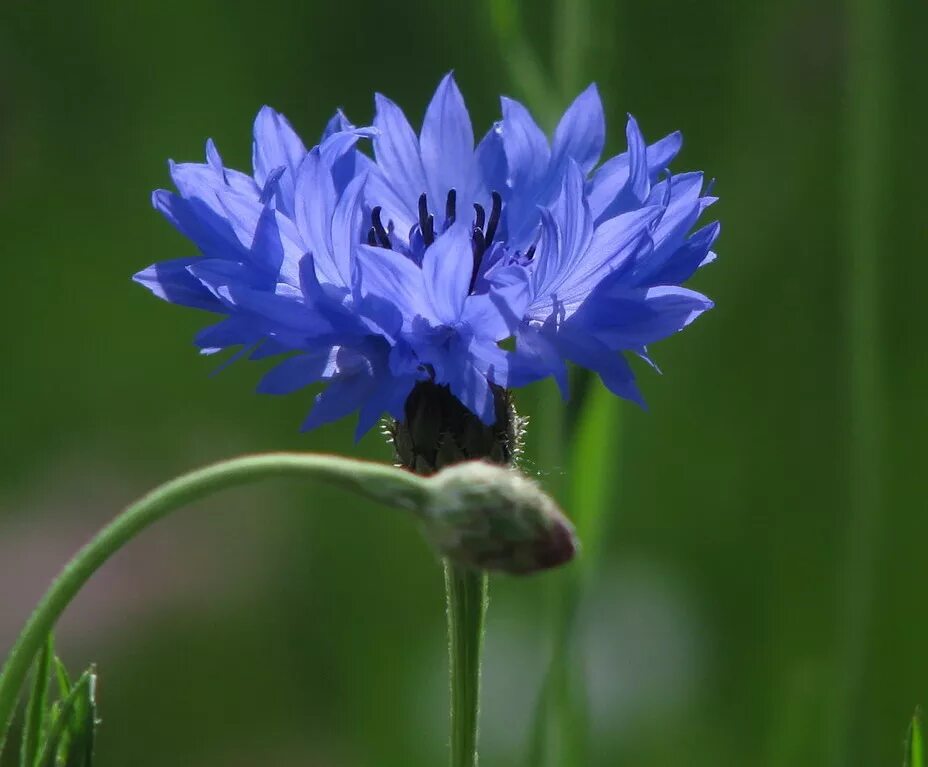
[
  {"x": 423, "y": 210},
  {"x": 429, "y": 234},
  {"x": 481, "y": 215},
  {"x": 479, "y": 247},
  {"x": 426, "y": 222},
  {"x": 382, "y": 237},
  {"x": 450, "y": 207},
  {"x": 530, "y": 253},
  {"x": 494, "y": 217},
  {"x": 372, "y": 237}
]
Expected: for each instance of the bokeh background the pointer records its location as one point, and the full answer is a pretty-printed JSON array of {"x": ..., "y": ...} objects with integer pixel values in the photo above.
[{"x": 759, "y": 597}]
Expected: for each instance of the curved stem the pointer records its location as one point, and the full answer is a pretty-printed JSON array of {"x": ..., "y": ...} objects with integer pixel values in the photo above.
[
  {"x": 376, "y": 481},
  {"x": 467, "y": 607}
]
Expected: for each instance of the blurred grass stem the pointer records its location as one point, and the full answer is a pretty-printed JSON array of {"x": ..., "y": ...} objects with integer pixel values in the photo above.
[{"x": 868, "y": 82}]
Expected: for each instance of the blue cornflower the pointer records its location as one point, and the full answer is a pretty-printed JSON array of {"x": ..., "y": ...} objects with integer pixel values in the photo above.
[{"x": 408, "y": 269}]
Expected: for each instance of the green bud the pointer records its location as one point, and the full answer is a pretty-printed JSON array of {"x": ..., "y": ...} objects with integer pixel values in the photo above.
[{"x": 491, "y": 518}]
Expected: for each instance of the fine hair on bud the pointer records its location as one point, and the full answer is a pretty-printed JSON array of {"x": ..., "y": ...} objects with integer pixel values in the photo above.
[{"x": 491, "y": 518}]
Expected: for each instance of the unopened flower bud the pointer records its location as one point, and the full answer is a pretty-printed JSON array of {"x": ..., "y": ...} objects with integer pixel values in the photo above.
[{"x": 492, "y": 518}]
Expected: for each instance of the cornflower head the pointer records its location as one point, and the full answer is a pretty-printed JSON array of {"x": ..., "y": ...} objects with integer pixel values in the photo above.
[{"x": 395, "y": 277}]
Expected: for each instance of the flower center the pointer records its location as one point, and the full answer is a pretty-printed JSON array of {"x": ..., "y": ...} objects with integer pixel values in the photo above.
[{"x": 483, "y": 229}]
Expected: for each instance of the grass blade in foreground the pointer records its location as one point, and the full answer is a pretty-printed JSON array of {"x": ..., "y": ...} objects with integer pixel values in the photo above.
[
  {"x": 37, "y": 707},
  {"x": 560, "y": 735},
  {"x": 73, "y": 723},
  {"x": 915, "y": 744}
]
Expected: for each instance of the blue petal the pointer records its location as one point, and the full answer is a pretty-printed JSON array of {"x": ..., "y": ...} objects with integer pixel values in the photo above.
[
  {"x": 566, "y": 233},
  {"x": 345, "y": 394},
  {"x": 171, "y": 281},
  {"x": 470, "y": 386},
  {"x": 526, "y": 146},
  {"x": 497, "y": 314},
  {"x": 237, "y": 181},
  {"x": 267, "y": 252},
  {"x": 680, "y": 264},
  {"x": 675, "y": 307},
  {"x": 232, "y": 331},
  {"x": 575, "y": 275},
  {"x": 380, "y": 316},
  {"x": 611, "y": 178},
  {"x": 346, "y": 228},
  {"x": 546, "y": 268},
  {"x": 614, "y": 370},
  {"x": 294, "y": 373},
  {"x": 527, "y": 158},
  {"x": 209, "y": 230},
  {"x": 683, "y": 210},
  {"x": 338, "y": 145},
  {"x": 446, "y": 267},
  {"x": 276, "y": 144},
  {"x": 314, "y": 207},
  {"x": 337, "y": 123},
  {"x": 624, "y": 318},
  {"x": 575, "y": 225},
  {"x": 447, "y": 148},
  {"x": 661, "y": 153},
  {"x": 491, "y": 361},
  {"x": 287, "y": 314},
  {"x": 581, "y": 133},
  {"x": 388, "y": 395},
  {"x": 215, "y": 273},
  {"x": 247, "y": 214},
  {"x": 396, "y": 149},
  {"x": 536, "y": 358},
  {"x": 352, "y": 163},
  {"x": 638, "y": 184},
  {"x": 349, "y": 163},
  {"x": 393, "y": 277},
  {"x": 269, "y": 347},
  {"x": 491, "y": 159},
  {"x": 612, "y": 244}
]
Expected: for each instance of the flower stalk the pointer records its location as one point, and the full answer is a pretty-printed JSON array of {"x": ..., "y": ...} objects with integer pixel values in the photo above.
[
  {"x": 425, "y": 497},
  {"x": 467, "y": 599}
]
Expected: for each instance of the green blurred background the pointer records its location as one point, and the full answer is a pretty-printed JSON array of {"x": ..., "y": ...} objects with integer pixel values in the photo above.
[{"x": 760, "y": 598}]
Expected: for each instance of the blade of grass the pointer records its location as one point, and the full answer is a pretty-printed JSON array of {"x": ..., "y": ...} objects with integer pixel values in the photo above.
[
  {"x": 525, "y": 68},
  {"x": 868, "y": 83},
  {"x": 37, "y": 706},
  {"x": 595, "y": 464},
  {"x": 915, "y": 743},
  {"x": 70, "y": 723},
  {"x": 572, "y": 32},
  {"x": 63, "y": 679},
  {"x": 561, "y": 726}
]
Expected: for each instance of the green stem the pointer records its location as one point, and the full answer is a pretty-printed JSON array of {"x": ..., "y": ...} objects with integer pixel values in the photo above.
[
  {"x": 376, "y": 481},
  {"x": 525, "y": 68},
  {"x": 467, "y": 606},
  {"x": 869, "y": 81},
  {"x": 572, "y": 26}
]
